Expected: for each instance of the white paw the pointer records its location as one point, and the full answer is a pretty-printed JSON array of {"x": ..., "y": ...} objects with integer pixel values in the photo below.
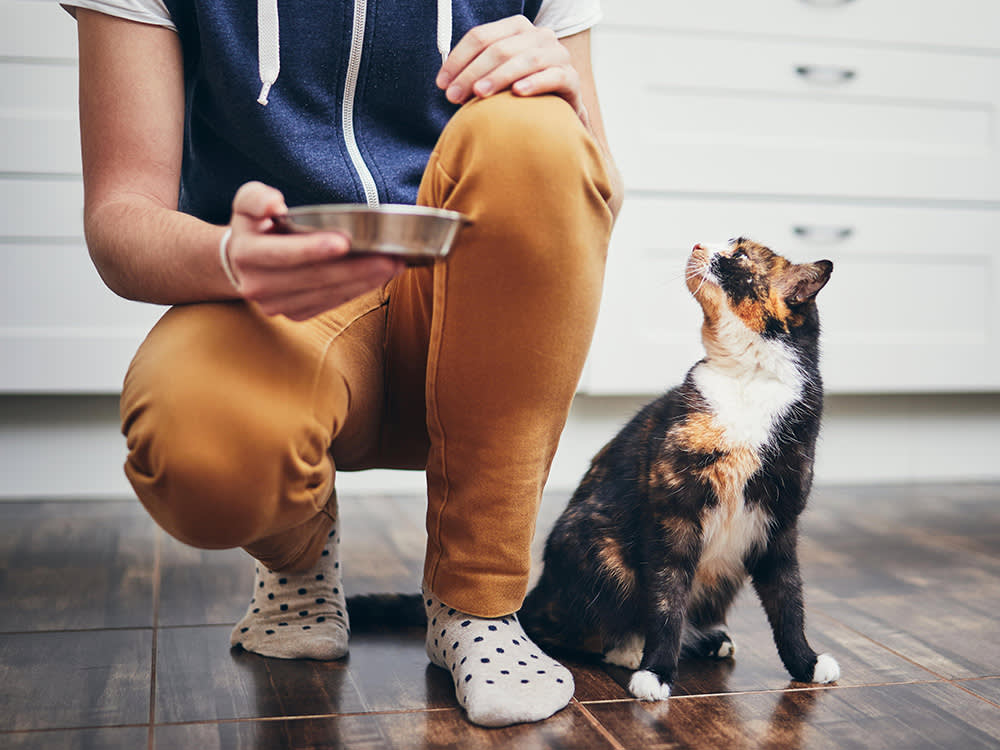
[
  {"x": 646, "y": 686},
  {"x": 627, "y": 654},
  {"x": 726, "y": 651},
  {"x": 826, "y": 669}
]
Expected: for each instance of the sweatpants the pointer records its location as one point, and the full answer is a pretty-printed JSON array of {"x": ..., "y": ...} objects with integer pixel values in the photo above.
[{"x": 237, "y": 422}]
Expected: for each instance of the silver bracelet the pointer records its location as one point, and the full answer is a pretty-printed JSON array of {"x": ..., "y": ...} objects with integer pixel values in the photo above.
[{"x": 224, "y": 258}]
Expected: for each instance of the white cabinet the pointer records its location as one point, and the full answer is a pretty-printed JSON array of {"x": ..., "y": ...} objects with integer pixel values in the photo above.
[
  {"x": 865, "y": 131},
  {"x": 861, "y": 131},
  {"x": 61, "y": 330}
]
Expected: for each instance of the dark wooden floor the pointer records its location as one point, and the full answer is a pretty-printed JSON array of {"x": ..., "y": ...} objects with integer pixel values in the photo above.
[{"x": 115, "y": 636}]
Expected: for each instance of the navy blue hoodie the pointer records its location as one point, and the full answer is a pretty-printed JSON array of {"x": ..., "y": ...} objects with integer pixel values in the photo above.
[{"x": 297, "y": 142}]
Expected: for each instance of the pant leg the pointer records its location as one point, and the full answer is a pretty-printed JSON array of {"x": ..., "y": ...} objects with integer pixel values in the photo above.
[
  {"x": 514, "y": 309},
  {"x": 230, "y": 416}
]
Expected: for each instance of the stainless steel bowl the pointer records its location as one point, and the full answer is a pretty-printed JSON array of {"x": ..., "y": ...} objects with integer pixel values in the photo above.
[{"x": 418, "y": 234}]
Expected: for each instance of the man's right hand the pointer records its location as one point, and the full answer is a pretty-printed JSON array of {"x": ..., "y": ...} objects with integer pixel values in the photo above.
[{"x": 295, "y": 275}]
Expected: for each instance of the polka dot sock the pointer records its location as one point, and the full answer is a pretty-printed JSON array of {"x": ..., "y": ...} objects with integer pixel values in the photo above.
[
  {"x": 501, "y": 677},
  {"x": 298, "y": 615}
]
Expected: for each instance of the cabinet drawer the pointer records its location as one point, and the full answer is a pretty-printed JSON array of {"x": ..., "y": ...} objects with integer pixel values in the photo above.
[
  {"x": 687, "y": 113},
  {"x": 912, "y": 305},
  {"x": 942, "y": 23}
]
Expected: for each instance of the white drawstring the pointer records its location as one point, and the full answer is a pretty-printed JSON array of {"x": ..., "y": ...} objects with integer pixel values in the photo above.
[
  {"x": 444, "y": 28},
  {"x": 268, "y": 48}
]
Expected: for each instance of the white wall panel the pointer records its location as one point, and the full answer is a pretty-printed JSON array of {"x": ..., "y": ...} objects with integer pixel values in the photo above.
[
  {"x": 37, "y": 29},
  {"x": 61, "y": 329}
]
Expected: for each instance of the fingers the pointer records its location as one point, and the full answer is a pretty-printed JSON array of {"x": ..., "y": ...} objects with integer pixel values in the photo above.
[
  {"x": 250, "y": 250},
  {"x": 254, "y": 248},
  {"x": 509, "y": 54},
  {"x": 296, "y": 275},
  {"x": 307, "y": 292},
  {"x": 564, "y": 81},
  {"x": 472, "y": 45},
  {"x": 255, "y": 203}
]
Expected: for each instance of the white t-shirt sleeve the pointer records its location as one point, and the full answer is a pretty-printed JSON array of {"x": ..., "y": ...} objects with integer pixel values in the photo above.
[
  {"x": 144, "y": 11},
  {"x": 566, "y": 17}
]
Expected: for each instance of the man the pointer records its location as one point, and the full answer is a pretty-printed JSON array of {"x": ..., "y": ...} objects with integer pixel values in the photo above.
[{"x": 285, "y": 357}]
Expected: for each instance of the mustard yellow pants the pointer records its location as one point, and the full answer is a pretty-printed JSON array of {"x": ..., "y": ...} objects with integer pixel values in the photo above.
[{"x": 236, "y": 422}]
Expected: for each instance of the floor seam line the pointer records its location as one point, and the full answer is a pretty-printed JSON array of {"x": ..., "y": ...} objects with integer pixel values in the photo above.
[
  {"x": 973, "y": 693},
  {"x": 157, "y": 570},
  {"x": 890, "y": 649},
  {"x": 599, "y": 727}
]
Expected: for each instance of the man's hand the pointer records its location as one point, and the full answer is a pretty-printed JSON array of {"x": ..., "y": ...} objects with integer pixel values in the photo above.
[
  {"x": 295, "y": 275},
  {"x": 514, "y": 54}
]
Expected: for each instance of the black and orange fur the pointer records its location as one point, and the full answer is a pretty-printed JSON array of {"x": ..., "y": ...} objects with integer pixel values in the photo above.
[{"x": 701, "y": 489}]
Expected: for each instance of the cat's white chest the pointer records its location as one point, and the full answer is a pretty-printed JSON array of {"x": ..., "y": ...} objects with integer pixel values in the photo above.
[
  {"x": 746, "y": 408},
  {"x": 729, "y": 534}
]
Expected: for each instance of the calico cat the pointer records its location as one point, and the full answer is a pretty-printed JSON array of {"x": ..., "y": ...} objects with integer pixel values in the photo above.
[{"x": 701, "y": 489}]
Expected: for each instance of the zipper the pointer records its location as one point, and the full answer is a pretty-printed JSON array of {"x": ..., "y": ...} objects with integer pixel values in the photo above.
[{"x": 347, "y": 110}]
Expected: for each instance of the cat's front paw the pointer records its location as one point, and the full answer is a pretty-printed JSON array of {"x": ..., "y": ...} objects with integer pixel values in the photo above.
[
  {"x": 826, "y": 669},
  {"x": 646, "y": 686}
]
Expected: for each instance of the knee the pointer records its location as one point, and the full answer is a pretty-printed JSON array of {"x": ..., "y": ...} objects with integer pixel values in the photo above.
[
  {"x": 214, "y": 477},
  {"x": 539, "y": 142},
  {"x": 533, "y": 181}
]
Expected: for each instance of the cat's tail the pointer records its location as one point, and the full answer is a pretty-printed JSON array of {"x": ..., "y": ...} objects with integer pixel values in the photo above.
[
  {"x": 386, "y": 611},
  {"x": 370, "y": 612},
  {"x": 538, "y": 618}
]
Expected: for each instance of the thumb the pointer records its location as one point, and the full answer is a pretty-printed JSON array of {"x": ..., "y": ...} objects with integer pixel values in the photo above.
[{"x": 254, "y": 204}]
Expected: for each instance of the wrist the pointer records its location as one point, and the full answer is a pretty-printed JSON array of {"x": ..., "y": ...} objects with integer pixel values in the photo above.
[{"x": 227, "y": 267}]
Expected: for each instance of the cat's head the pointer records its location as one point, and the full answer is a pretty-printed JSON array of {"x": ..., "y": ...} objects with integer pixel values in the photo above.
[{"x": 770, "y": 295}]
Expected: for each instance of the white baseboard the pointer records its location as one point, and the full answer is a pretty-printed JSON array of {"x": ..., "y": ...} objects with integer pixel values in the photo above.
[{"x": 70, "y": 447}]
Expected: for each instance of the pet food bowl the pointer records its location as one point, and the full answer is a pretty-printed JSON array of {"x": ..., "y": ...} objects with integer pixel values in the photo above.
[{"x": 417, "y": 234}]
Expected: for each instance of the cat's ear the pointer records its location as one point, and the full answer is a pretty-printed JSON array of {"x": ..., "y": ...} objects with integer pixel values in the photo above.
[{"x": 806, "y": 281}]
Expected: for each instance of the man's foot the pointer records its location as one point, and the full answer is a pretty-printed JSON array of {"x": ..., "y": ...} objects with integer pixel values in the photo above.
[
  {"x": 501, "y": 677},
  {"x": 297, "y": 615}
]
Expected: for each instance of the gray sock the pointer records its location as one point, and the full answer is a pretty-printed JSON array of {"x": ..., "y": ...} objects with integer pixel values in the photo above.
[
  {"x": 501, "y": 677},
  {"x": 297, "y": 615}
]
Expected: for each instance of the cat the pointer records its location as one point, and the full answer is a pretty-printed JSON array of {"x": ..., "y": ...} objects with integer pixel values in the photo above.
[{"x": 701, "y": 489}]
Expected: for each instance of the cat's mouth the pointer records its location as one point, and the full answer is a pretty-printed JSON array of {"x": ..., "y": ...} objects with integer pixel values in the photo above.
[{"x": 699, "y": 269}]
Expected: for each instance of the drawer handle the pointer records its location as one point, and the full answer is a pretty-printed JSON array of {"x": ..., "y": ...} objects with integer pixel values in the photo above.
[
  {"x": 827, "y": 3},
  {"x": 821, "y": 234},
  {"x": 826, "y": 75}
]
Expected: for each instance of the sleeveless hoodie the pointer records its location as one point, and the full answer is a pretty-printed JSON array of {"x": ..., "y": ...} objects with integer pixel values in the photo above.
[{"x": 330, "y": 101}]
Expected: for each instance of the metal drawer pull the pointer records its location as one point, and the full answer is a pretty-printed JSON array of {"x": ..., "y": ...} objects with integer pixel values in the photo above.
[
  {"x": 827, "y": 75},
  {"x": 821, "y": 234},
  {"x": 827, "y": 3}
]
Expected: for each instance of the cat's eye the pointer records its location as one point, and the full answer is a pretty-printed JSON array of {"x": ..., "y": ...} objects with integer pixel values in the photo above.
[{"x": 739, "y": 253}]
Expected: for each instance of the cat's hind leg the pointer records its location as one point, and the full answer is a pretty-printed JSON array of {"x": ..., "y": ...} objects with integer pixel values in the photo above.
[
  {"x": 705, "y": 635},
  {"x": 627, "y": 653},
  {"x": 713, "y": 643}
]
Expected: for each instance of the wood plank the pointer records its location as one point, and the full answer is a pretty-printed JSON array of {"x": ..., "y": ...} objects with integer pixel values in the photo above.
[
  {"x": 899, "y": 716},
  {"x": 569, "y": 729},
  {"x": 74, "y": 679},
  {"x": 198, "y": 678},
  {"x": 75, "y": 565},
  {"x": 118, "y": 738},
  {"x": 203, "y": 587}
]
